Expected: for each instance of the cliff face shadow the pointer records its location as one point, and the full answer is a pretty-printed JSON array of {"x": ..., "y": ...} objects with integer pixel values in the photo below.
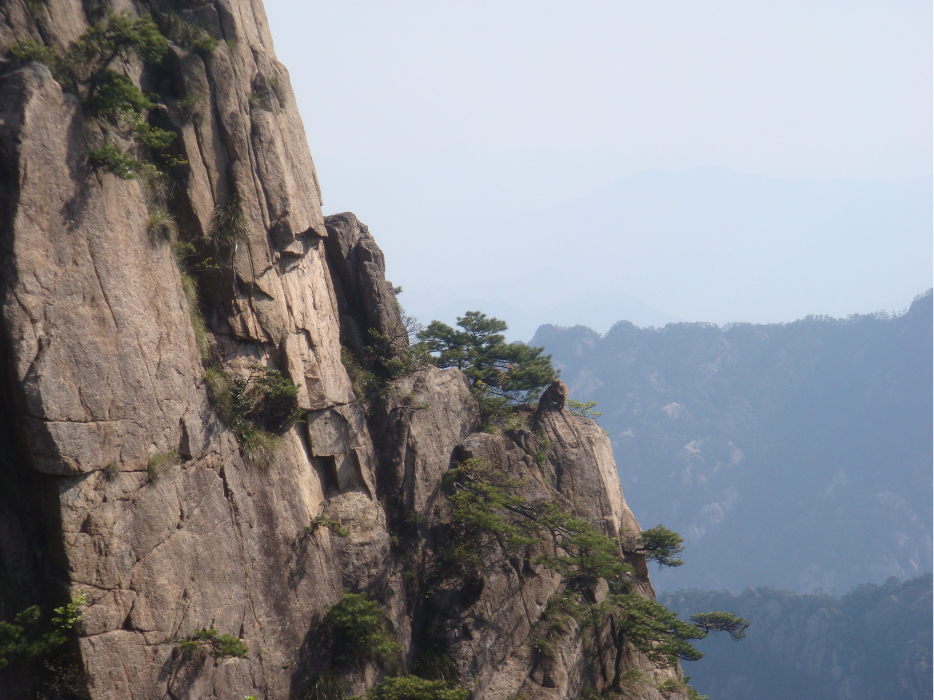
[
  {"x": 181, "y": 671},
  {"x": 314, "y": 657}
]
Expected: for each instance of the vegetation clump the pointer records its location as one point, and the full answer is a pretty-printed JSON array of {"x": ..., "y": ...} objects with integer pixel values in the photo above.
[
  {"x": 94, "y": 68},
  {"x": 436, "y": 664},
  {"x": 217, "y": 645},
  {"x": 414, "y": 688},
  {"x": 112, "y": 159},
  {"x": 87, "y": 70},
  {"x": 228, "y": 223},
  {"x": 501, "y": 374},
  {"x": 487, "y": 510},
  {"x": 190, "y": 288},
  {"x": 362, "y": 630},
  {"x": 158, "y": 464},
  {"x": 363, "y": 381},
  {"x": 329, "y": 523},
  {"x": 721, "y": 622},
  {"x": 387, "y": 355},
  {"x": 658, "y": 544},
  {"x": 26, "y": 638},
  {"x": 258, "y": 408},
  {"x": 583, "y": 409},
  {"x": 161, "y": 224},
  {"x": 325, "y": 686},
  {"x": 181, "y": 32}
]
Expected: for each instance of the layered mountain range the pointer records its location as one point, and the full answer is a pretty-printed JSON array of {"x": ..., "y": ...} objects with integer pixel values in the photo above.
[{"x": 793, "y": 455}]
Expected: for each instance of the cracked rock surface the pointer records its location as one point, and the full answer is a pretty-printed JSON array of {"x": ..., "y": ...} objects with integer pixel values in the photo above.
[{"x": 102, "y": 373}]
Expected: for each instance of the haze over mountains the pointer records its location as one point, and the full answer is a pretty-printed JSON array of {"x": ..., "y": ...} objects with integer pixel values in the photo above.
[
  {"x": 873, "y": 643},
  {"x": 703, "y": 244},
  {"x": 791, "y": 455}
]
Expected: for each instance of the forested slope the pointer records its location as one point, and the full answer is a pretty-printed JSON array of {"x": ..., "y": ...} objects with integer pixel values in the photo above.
[
  {"x": 793, "y": 455},
  {"x": 873, "y": 643}
]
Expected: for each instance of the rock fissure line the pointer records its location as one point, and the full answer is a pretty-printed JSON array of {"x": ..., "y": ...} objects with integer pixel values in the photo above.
[{"x": 230, "y": 551}]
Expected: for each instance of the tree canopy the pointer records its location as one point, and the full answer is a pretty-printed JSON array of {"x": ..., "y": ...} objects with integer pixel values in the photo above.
[{"x": 512, "y": 371}]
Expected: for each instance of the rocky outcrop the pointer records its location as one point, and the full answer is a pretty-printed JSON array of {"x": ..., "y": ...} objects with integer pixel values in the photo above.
[
  {"x": 366, "y": 300},
  {"x": 117, "y": 477}
]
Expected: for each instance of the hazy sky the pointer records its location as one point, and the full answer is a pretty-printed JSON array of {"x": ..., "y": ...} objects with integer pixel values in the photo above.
[{"x": 455, "y": 130}]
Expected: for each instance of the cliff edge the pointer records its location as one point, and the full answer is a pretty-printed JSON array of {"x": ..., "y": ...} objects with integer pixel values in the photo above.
[{"x": 133, "y": 322}]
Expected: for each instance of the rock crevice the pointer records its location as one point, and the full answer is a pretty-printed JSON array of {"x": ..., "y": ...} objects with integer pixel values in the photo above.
[{"x": 105, "y": 376}]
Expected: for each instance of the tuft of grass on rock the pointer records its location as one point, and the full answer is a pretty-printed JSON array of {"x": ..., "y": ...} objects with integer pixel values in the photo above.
[
  {"x": 190, "y": 287},
  {"x": 159, "y": 464},
  {"x": 111, "y": 159},
  {"x": 325, "y": 686},
  {"x": 258, "y": 446},
  {"x": 331, "y": 524},
  {"x": 161, "y": 225},
  {"x": 228, "y": 223}
]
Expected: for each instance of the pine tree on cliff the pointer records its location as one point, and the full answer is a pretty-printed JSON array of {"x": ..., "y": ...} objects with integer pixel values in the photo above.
[{"x": 514, "y": 372}]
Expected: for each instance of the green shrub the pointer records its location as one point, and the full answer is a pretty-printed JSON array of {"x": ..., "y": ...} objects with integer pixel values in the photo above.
[
  {"x": 718, "y": 621},
  {"x": 513, "y": 371},
  {"x": 217, "y": 382},
  {"x": 516, "y": 422},
  {"x": 481, "y": 496},
  {"x": 325, "y": 686},
  {"x": 258, "y": 408},
  {"x": 331, "y": 524},
  {"x": 389, "y": 355},
  {"x": 183, "y": 33},
  {"x": 29, "y": 50},
  {"x": 586, "y": 553},
  {"x": 115, "y": 97},
  {"x": 362, "y": 381},
  {"x": 494, "y": 410},
  {"x": 658, "y": 544},
  {"x": 678, "y": 687},
  {"x": 153, "y": 137},
  {"x": 584, "y": 409},
  {"x": 217, "y": 645},
  {"x": 362, "y": 630},
  {"x": 545, "y": 648},
  {"x": 24, "y": 639},
  {"x": 110, "y": 158},
  {"x": 259, "y": 446},
  {"x": 161, "y": 225},
  {"x": 87, "y": 69},
  {"x": 436, "y": 664},
  {"x": 414, "y": 688},
  {"x": 111, "y": 471},
  {"x": 560, "y": 611},
  {"x": 185, "y": 108},
  {"x": 228, "y": 223},
  {"x": 158, "y": 464}
]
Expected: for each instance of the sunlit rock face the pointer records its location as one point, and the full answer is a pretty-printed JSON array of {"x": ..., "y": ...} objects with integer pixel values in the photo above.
[{"x": 117, "y": 477}]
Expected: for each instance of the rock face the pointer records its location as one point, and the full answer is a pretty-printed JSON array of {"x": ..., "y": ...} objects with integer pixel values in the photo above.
[{"x": 104, "y": 387}]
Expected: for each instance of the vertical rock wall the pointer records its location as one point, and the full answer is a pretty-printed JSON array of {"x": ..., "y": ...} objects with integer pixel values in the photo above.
[{"x": 102, "y": 373}]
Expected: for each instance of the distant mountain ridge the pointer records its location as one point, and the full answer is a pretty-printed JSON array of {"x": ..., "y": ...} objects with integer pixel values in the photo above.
[
  {"x": 874, "y": 643},
  {"x": 700, "y": 244},
  {"x": 792, "y": 455}
]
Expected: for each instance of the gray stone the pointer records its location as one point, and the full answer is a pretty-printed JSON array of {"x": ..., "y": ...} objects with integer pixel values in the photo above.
[{"x": 102, "y": 372}]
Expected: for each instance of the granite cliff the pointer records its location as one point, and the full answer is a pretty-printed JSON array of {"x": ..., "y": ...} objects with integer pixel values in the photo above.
[{"x": 124, "y": 317}]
